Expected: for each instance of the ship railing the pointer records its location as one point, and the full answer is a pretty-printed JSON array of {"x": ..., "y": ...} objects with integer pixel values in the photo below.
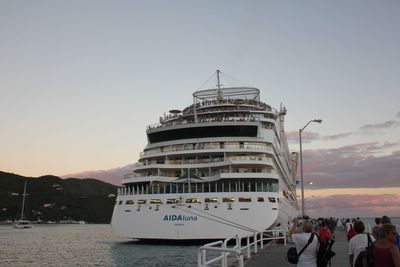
[
  {"x": 203, "y": 120},
  {"x": 237, "y": 253},
  {"x": 260, "y": 147}
]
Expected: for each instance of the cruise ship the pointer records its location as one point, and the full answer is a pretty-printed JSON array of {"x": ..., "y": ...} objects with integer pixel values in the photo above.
[{"x": 216, "y": 168}]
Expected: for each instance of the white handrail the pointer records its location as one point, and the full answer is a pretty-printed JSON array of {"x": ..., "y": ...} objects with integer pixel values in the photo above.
[{"x": 276, "y": 233}]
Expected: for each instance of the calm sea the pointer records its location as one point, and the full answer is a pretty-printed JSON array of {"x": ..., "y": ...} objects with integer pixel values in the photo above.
[
  {"x": 91, "y": 245},
  {"x": 371, "y": 222},
  {"x": 85, "y": 245}
]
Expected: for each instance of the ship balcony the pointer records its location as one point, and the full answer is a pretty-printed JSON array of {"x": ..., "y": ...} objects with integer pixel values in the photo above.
[
  {"x": 211, "y": 163},
  {"x": 223, "y": 186},
  {"x": 223, "y": 106},
  {"x": 200, "y": 177},
  {"x": 214, "y": 116},
  {"x": 205, "y": 148}
]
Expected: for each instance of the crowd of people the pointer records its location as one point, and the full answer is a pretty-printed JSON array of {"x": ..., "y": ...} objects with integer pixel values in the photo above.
[{"x": 383, "y": 243}]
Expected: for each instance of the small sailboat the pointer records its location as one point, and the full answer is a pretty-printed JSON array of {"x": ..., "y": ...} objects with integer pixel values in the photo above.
[{"x": 23, "y": 222}]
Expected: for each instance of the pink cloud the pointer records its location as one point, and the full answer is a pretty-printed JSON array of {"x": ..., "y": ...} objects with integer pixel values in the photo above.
[{"x": 354, "y": 205}]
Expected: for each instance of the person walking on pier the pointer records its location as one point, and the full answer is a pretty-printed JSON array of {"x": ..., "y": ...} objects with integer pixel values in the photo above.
[
  {"x": 377, "y": 228},
  {"x": 359, "y": 242},
  {"x": 324, "y": 232},
  {"x": 309, "y": 256}
]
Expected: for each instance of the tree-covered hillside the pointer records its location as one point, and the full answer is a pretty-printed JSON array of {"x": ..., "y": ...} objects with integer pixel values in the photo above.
[{"x": 51, "y": 198}]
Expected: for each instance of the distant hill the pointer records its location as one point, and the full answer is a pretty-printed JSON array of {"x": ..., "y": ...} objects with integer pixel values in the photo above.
[{"x": 51, "y": 198}]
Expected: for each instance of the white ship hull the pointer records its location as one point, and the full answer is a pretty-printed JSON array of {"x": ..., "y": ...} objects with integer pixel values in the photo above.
[{"x": 195, "y": 221}]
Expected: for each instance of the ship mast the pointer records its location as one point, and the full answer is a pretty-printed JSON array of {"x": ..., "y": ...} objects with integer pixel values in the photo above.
[
  {"x": 218, "y": 84},
  {"x": 219, "y": 92}
]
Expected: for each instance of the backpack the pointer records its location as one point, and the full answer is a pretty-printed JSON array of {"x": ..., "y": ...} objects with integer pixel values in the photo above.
[
  {"x": 292, "y": 256},
  {"x": 365, "y": 259},
  {"x": 350, "y": 233},
  {"x": 325, "y": 252}
]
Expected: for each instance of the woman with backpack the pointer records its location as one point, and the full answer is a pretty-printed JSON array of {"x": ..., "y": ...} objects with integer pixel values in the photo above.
[{"x": 359, "y": 242}]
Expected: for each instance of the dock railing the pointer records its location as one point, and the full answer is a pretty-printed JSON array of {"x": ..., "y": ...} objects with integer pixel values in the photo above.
[{"x": 234, "y": 253}]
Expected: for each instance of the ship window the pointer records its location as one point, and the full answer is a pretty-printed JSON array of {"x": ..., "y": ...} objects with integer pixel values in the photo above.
[
  {"x": 272, "y": 199},
  {"x": 120, "y": 202},
  {"x": 172, "y": 201},
  {"x": 130, "y": 202},
  {"x": 203, "y": 132},
  {"x": 244, "y": 199},
  {"x": 141, "y": 201},
  {"x": 228, "y": 199},
  {"x": 211, "y": 200},
  {"x": 192, "y": 200},
  {"x": 260, "y": 199},
  {"x": 155, "y": 201}
]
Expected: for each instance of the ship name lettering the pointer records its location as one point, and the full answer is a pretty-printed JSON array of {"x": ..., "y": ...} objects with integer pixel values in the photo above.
[{"x": 174, "y": 217}]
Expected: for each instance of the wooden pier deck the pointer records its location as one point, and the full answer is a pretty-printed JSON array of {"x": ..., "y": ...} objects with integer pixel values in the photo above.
[{"x": 275, "y": 255}]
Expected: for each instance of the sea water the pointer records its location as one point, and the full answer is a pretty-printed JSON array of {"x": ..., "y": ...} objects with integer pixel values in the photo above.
[
  {"x": 92, "y": 245},
  {"x": 85, "y": 245},
  {"x": 370, "y": 222}
]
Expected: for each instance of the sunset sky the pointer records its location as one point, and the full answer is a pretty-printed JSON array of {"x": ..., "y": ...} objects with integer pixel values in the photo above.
[{"x": 81, "y": 80}]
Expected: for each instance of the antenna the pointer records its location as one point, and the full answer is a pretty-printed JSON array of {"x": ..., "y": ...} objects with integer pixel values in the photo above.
[
  {"x": 218, "y": 84},
  {"x": 219, "y": 93}
]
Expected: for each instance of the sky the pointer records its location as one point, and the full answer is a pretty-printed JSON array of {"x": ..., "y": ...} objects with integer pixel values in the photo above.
[{"x": 81, "y": 80}]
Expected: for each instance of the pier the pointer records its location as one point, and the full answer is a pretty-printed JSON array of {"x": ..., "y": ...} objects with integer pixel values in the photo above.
[{"x": 275, "y": 254}]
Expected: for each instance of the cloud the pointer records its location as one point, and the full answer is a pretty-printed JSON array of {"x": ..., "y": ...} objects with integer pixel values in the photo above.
[
  {"x": 380, "y": 126},
  {"x": 112, "y": 176},
  {"x": 336, "y": 136},
  {"x": 398, "y": 115},
  {"x": 354, "y": 166},
  {"x": 306, "y": 137},
  {"x": 351, "y": 206},
  {"x": 355, "y": 201}
]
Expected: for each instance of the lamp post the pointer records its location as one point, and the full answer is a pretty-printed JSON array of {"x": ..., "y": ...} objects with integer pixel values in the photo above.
[{"x": 301, "y": 165}]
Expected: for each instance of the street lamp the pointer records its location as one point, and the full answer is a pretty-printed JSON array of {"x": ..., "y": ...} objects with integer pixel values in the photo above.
[{"x": 301, "y": 165}]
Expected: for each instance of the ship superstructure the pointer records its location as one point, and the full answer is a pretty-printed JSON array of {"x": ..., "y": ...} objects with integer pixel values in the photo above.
[{"x": 219, "y": 167}]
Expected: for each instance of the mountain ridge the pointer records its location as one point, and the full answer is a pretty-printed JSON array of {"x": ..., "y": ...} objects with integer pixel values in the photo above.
[{"x": 51, "y": 198}]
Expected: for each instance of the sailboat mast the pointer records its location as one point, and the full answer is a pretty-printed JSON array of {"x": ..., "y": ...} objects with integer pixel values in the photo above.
[{"x": 23, "y": 202}]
